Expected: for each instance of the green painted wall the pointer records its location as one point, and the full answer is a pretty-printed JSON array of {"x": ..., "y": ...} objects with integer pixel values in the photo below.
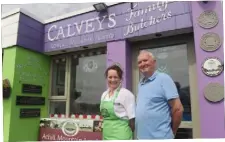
[
  {"x": 8, "y": 72},
  {"x": 24, "y": 66}
]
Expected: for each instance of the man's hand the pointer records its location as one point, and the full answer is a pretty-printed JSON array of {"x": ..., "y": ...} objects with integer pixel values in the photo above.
[{"x": 177, "y": 113}]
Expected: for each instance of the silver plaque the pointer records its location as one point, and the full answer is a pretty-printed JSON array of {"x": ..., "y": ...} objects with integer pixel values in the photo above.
[
  {"x": 208, "y": 19},
  {"x": 210, "y": 42},
  {"x": 212, "y": 67},
  {"x": 214, "y": 92}
]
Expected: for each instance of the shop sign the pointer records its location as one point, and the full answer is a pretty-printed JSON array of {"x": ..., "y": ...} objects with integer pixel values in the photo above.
[
  {"x": 150, "y": 21},
  {"x": 30, "y": 112},
  {"x": 28, "y": 100},
  {"x": 83, "y": 27},
  {"x": 32, "y": 89},
  {"x": 69, "y": 129},
  {"x": 108, "y": 21}
]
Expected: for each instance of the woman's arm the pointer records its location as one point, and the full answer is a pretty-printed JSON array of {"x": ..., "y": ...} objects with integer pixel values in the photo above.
[
  {"x": 129, "y": 104},
  {"x": 132, "y": 124}
]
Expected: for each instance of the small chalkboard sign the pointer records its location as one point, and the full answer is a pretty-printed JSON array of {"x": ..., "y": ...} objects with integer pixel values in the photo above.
[
  {"x": 30, "y": 112},
  {"x": 33, "y": 89},
  {"x": 27, "y": 100}
]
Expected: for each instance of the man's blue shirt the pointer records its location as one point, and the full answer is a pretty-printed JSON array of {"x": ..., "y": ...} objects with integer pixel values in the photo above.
[{"x": 153, "y": 113}]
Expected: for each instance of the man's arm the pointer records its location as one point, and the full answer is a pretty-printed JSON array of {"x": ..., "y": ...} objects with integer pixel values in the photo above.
[
  {"x": 176, "y": 113},
  {"x": 172, "y": 96}
]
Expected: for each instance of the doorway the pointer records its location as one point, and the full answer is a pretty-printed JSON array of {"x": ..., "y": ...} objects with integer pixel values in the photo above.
[{"x": 176, "y": 57}]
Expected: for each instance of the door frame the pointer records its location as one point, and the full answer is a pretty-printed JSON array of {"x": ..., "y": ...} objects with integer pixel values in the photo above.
[{"x": 187, "y": 39}]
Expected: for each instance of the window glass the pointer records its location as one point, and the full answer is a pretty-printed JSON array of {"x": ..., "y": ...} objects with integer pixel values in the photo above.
[
  {"x": 58, "y": 107},
  {"x": 173, "y": 60},
  {"x": 87, "y": 84},
  {"x": 58, "y": 77}
]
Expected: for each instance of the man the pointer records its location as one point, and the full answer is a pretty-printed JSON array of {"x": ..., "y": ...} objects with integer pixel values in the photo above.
[{"x": 159, "y": 109}]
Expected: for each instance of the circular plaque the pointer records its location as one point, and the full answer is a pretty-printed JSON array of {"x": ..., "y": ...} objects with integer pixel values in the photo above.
[
  {"x": 212, "y": 67},
  {"x": 208, "y": 19},
  {"x": 214, "y": 92},
  {"x": 70, "y": 128},
  {"x": 210, "y": 42}
]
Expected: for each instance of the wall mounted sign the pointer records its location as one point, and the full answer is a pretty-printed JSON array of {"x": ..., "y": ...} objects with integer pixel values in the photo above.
[
  {"x": 212, "y": 67},
  {"x": 81, "y": 26},
  {"x": 214, "y": 92},
  {"x": 126, "y": 22},
  {"x": 26, "y": 100},
  {"x": 208, "y": 19},
  {"x": 6, "y": 88},
  {"x": 210, "y": 41},
  {"x": 33, "y": 89},
  {"x": 69, "y": 129},
  {"x": 30, "y": 112}
]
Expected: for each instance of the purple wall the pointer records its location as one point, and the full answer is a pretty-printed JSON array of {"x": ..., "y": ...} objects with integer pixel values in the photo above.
[
  {"x": 74, "y": 32},
  {"x": 30, "y": 33},
  {"x": 119, "y": 52},
  {"x": 211, "y": 115}
]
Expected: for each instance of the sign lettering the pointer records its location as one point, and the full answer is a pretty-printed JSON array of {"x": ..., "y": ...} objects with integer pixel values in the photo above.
[
  {"x": 77, "y": 33},
  {"x": 86, "y": 25},
  {"x": 161, "y": 6}
]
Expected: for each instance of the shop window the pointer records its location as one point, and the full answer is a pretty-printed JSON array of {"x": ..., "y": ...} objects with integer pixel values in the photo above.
[
  {"x": 87, "y": 84},
  {"x": 78, "y": 82},
  {"x": 58, "y": 107}
]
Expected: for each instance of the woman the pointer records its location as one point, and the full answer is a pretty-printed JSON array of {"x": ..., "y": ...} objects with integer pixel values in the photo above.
[{"x": 117, "y": 107}]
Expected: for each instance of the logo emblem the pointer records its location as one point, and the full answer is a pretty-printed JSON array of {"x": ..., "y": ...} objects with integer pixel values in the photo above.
[
  {"x": 90, "y": 66},
  {"x": 70, "y": 128}
]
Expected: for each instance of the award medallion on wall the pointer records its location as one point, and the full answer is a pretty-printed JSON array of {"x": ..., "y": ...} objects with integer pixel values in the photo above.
[
  {"x": 214, "y": 92},
  {"x": 212, "y": 67},
  {"x": 210, "y": 42},
  {"x": 208, "y": 19}
]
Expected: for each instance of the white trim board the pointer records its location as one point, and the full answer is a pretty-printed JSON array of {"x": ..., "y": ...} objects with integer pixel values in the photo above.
[{"x": 54, "y": 19}]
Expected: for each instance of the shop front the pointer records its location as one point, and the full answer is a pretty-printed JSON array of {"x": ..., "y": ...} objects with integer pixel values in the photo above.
[{"x": 59, "y": 65}]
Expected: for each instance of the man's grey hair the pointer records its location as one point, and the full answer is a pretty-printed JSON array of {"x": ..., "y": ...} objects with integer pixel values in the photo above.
[{"x": 147, "y": 52}]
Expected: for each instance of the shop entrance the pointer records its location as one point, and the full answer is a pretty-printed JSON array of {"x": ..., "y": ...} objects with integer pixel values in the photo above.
[
  {"x": 176, "y": 57},
  {"x": 77, "y": 83}
]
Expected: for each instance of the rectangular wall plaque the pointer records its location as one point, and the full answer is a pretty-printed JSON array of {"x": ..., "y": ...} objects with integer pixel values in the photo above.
[
  {"x": 29, "y": 88},
  {"x": 27, "y": 100},
  {"x": 30, "y": 112}
]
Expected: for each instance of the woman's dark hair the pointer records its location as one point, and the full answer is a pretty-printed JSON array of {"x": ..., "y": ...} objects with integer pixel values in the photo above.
[{"x": 117, "y": 69}]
